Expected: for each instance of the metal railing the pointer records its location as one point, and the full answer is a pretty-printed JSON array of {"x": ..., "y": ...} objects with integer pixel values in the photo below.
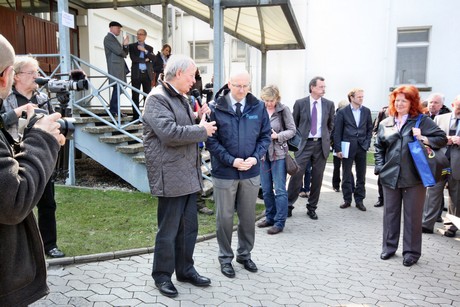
[{"x": 100, "y": 85}]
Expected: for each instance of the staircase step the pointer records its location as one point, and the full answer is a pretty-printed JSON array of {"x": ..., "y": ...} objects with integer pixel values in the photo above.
[
  {"x": 207, "y": 189},
  {"x": 139, "y": 158},
  {"x": 87, "y": 120},
  {"x": 106, "y": 129},
  {"x": 120, "y": 138},
  {"x": 99, "y": 111},
  {"x": 130, "y": 149}
]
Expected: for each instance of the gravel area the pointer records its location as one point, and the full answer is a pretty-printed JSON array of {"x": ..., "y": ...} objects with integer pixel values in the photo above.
[{"x": 89, "y": 173}]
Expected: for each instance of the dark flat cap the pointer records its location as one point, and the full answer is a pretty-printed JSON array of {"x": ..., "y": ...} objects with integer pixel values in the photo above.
[{"x": 115, "y": 24}]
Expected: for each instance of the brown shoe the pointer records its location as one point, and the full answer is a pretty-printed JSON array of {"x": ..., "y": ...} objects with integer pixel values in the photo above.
[
  {"x": 274, "y": 230},
  {"x": 345, "y": 205},
  {"x": 264, "y": 224}
]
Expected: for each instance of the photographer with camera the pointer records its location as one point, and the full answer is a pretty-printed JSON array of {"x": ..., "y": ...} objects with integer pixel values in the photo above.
[
  {"x": 25, "y": 93},
  {"x": 23, "y": 176}
]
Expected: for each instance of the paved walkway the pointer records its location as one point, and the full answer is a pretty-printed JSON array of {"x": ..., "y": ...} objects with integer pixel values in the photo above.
[{"x": 333, "y": 261}]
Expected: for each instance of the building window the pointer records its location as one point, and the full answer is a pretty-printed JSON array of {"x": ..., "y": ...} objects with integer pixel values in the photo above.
[
  {"x": 412, "y": 56},
  {"x": 238, "y": 51},
  {"x": 202, "y": 51}
]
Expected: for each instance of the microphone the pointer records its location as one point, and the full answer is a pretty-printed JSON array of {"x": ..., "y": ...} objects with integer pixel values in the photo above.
[{"x": 196, "y": 93}]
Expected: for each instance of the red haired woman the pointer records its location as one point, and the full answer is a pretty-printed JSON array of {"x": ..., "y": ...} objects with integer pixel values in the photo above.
[{"x": 400, "y": 180}]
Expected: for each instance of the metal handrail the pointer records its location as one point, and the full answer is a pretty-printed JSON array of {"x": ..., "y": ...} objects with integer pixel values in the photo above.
[{"x": 96, "y": 93}]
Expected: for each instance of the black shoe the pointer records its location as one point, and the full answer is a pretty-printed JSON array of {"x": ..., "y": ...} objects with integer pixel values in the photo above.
[
  {"x": 274, "y": 230},
  {"x": 360, "y": 206},
  {"x": 264, "y": 224},
  {"x": 345, "y": 205},
  {"x": 449, "y": 233},
  {"x": 336, "y": 189},
  {"x": 409, "y": 262},
  {"x": 290, "y": 208},
  {"x": 196, "y": 280},
  {"x": 439, "y": 219},
  {"x": 227, "y": 270},
  {"x": 167, "y": 288},
  {"x": 312, "y": 214},
  {"x": 379, "y": 203},
  {"x": 55, "y": 253},
  {"x": 386, "y": 256},
  {"x": 426, "y": 230},
  {"x": 248, "y": 264}
]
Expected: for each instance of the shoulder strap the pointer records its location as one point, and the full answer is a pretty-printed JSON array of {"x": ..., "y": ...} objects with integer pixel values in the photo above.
[
  {"x": 417, "y": 124},
  {"x": 282, "y": 119}
]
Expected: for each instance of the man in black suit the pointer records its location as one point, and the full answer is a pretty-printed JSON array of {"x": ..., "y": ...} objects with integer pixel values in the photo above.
[
  {"x": 314, "y": 117},
  {"x": 142, "y": 57},
  {"x": 353, "y": 126}
]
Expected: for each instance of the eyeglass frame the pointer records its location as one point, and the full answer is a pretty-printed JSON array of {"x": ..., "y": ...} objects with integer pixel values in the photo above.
[
  {"x": 37, "y": 72},
  {"x": 241, "y": 86}
]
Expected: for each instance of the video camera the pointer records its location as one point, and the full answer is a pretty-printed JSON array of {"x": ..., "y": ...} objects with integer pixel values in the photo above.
[
  {"x": 62, "y": 88},
  {"x": 77, "y": 82}
]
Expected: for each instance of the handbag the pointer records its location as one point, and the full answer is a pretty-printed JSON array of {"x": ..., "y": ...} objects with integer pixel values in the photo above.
[
  {"x": 291, "y": 164},
  {"x": 428, "y": 162},
  {"x": 294, "y": 142}
]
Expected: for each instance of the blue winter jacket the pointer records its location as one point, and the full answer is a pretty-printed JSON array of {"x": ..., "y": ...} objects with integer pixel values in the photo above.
[{"x": 248, "y": 136}]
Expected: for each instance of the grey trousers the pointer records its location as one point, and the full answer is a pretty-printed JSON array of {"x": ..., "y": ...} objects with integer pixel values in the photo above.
[
  {"x": 412, "y": 198},
  {"x": 433, "y": 203},
  {"x": 239, "y": 196}
]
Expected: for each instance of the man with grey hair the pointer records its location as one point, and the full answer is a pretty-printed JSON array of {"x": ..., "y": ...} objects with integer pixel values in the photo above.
[
  {"x": 24, "y": 171},
  {"x": 171, "y": 137},
  {"x": 435, "y": 104}
]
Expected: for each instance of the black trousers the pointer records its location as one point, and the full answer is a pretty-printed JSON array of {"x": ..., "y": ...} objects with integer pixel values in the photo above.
[
  {"x": 146, "y": 83},
  {"x": 336, "y": 172},
  {"x": 176, "y": 237},
  {"x": 350, "y": 189},
  {"x": 47, "y": 217}
]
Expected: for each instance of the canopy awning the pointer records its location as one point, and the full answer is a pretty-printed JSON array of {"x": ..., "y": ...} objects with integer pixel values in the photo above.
[{"x": 263, "y": 24}]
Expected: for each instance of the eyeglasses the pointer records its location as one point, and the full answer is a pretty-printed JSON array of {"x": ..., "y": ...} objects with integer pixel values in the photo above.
[
  {"x": 141, "y": 34},
  {"x": 34, "y": 73},
  {"x": 1, "y": 73},
  {"x": 241, "y": 87}
]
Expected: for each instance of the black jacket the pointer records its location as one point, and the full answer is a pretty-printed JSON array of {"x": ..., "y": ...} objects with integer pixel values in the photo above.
[{"x": 393, "y": 161}]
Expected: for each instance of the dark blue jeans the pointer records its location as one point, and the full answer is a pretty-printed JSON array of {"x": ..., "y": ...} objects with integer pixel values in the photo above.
[{"x": 273, "y": 181}]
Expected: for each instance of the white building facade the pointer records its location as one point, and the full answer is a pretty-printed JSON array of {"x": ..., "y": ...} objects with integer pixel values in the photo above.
[{"x": 374, "y": 45}]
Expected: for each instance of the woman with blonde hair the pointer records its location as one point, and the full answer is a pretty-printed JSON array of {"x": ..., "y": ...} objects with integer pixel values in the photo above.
[{"x": 273, "y": 166}]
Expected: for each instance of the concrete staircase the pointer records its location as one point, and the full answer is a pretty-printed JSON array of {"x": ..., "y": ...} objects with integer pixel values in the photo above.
[{"x": 119, "y": 152}]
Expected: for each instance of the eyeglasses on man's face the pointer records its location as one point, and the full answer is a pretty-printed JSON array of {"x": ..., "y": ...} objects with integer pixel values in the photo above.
[
  {"x": 32, "y": 72},
  {"x": 241, "y": 86},
  {"x": 140, "y": 34}
]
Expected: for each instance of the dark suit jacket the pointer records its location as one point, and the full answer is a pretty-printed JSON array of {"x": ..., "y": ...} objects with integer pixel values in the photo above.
[
  {"x": 115, "y": 55},
  {"x": 345, "y": 129},
  {"x": 443, "y": 121},
  {"x": 134, "y": 54},
  {"x": 302, "y": 119}
]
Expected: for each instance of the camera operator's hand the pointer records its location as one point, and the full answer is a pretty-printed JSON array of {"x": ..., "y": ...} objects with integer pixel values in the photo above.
[
  {"x": 23, "y": 108},
  {"x": 48, "y": 123}
]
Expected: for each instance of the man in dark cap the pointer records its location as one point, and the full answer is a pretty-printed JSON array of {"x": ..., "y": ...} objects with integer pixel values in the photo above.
[{"x": 115, "y": 54}]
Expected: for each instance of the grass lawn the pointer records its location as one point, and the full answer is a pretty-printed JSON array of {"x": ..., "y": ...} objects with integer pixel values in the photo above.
[{"x": 93, "y": 221}]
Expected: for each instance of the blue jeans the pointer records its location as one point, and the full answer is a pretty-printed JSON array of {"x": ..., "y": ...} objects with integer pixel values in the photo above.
[{"x": 273, "y": 174}]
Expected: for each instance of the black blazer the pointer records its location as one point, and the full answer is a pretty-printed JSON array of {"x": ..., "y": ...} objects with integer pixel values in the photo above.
[
  {"x": 134, "y": 54},
  {"x": 302, "y": 120},
  {"x": 345, "y": 129}
]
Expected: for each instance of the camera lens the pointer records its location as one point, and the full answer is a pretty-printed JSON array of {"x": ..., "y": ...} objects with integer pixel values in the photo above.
[{"x": 66, "y": 127}]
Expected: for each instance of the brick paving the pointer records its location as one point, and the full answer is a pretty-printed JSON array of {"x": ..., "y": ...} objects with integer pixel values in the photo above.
[{"x": 333, "y": 261}]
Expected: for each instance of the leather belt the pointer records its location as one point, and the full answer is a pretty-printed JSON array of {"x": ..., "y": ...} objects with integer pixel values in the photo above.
[{"x": 314, "y": 139}]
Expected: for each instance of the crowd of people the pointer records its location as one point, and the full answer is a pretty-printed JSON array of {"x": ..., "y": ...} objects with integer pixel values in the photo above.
[{"x": 247, "y": 137}]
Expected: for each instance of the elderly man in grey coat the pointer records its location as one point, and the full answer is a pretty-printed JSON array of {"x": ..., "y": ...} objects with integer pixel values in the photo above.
[
  {"x": 115, "y": 54},
  {"x": 171, "y": 137}
]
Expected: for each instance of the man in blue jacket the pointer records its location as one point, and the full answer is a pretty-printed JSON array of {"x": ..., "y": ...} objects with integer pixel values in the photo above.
[{"x": 241, "y": 140}]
